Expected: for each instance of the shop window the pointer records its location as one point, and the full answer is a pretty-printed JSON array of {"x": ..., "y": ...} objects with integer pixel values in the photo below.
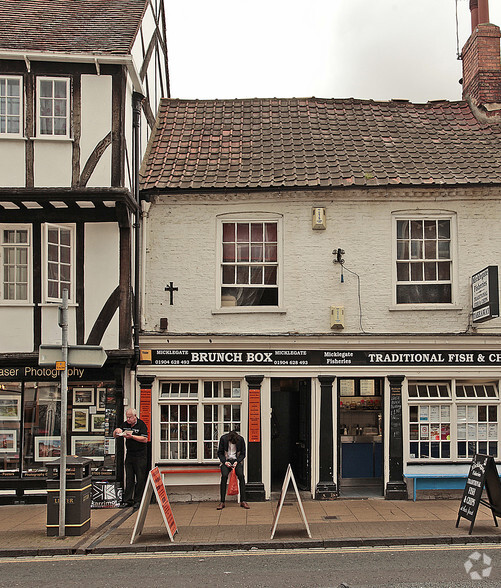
[
  {"x": 11, "y": 106},
  {"x": 424, "y": 273},
  {"x": 249, "y": 272},
  {"x": 15, "y": 261},
  {"x": 430, "y": 431},
  {"x": 191, "y": 430},
  {"x": 458, "y": 429},
  {"x": 10, "y": 432},
  {"x": 59, "y": 257},
  {"x": 53, "y": 107},
  {"x": 477, "y": 430}
]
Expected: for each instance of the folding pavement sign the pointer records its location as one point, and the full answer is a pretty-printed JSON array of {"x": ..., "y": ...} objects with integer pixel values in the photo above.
[
  {"x": 289, "y": 475},
  {"x": 154, "y": 483},
  {"x": 483, "y": 472}
]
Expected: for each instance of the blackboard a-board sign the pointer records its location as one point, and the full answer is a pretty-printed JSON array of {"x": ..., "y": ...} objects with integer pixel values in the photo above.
[{"x": 483, "y": 472}]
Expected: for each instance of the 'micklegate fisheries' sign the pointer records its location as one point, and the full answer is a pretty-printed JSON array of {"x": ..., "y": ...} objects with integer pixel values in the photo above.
[{"x": 298, "y": 358}]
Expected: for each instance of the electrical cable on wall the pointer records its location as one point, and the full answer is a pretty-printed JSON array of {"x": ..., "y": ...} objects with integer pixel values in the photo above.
[{"x": 359, "y": 292}]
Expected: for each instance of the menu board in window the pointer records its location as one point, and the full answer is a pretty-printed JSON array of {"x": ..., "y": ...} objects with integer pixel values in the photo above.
[
  {"x": 346, "y": 387},
  {"x": 367, "y": 388}
]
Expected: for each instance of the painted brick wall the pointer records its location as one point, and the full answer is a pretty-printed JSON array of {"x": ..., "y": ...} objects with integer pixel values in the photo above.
[{"x": 181, "y": 247}]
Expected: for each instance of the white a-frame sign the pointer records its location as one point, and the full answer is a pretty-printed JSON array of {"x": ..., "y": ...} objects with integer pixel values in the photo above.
[
  {"x": 154, "y": 483},
  {"x": 288, "y": 477}
]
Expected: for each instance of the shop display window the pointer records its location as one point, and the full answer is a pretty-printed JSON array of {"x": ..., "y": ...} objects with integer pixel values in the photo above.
[
  {"x": 30, "y": 426},
  {"x": 10, "y": 423},
  {"x": 467, "y": 424},
  {"x": 191, "y": 430}
]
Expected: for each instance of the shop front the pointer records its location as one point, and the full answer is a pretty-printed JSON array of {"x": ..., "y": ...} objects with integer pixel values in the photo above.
[
  {"x": 351, "y": 421},
  {"x": 30, "y": 423}
]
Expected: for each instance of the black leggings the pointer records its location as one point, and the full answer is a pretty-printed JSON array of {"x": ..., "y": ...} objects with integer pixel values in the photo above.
[{"x": 225, "y": 472}]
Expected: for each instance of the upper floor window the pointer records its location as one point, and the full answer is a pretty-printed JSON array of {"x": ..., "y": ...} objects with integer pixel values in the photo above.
[
  {"x": 15, "y": 256},
  {"x": 53, "y": 107},
  {"x": 11, "y": 105},
  {"x": 424, "y": 260},
  {"x": 250, "y": 263},
  {"x": 59, "y": 261}
]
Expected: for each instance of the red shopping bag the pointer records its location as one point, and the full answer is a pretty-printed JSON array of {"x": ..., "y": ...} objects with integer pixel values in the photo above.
[{"x": 233, "y": 484}]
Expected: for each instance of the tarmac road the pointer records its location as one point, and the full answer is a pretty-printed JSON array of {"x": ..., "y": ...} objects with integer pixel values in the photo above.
[{"x": 396, "y": 567}]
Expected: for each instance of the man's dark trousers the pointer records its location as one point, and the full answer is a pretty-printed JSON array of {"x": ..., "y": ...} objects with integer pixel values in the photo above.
[
  {"x": 225, "y": 472},
  {"x": 136, "y": 471}
]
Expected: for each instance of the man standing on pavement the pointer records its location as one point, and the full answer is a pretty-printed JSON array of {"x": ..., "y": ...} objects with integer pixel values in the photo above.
[
  {"x": 231, "y": 453},
  {"x": 136, "y": 436}
]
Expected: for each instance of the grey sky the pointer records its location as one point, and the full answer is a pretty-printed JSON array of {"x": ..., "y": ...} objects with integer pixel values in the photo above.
[{"x": 379, "y": 49}]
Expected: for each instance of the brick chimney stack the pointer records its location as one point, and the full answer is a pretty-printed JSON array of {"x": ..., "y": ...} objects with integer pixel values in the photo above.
[{"x": 482, "y": 61}]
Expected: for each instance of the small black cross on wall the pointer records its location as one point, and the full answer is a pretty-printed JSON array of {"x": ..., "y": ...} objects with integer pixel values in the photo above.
[{"x": 170, "y": 288}]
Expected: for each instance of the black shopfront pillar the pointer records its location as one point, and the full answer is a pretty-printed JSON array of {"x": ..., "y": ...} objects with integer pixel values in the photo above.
[
  {"x": 326, "y": 487},
  {"x": 396, "y": 488},
  {"x": 254, "y": 488}
]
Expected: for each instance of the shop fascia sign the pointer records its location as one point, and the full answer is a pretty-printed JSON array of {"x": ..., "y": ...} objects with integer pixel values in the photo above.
[
  {"x": 485, "y": 294},
  {"x": 310, "y": 357}
]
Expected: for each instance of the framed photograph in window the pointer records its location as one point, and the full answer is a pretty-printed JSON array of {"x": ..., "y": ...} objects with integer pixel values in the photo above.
[
  {"x": 8, "y": 440},
  {"x": 97, "y": 423},
  {"x": 83, "y": 396},
  {"x": 346, "y": 387},
  {"x": 47, "y": 448},
  {"x": 80, "y": 420},
  {"x": 101, "y": 399},
  {"x": 10, "y": 407},
  {"x": 88, "y": 446}
]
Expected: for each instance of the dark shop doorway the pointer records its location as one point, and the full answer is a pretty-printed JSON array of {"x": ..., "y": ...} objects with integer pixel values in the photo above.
[{"x": 290, "y": 431}]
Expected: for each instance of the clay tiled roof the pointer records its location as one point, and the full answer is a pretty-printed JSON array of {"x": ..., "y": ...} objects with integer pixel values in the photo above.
[
  {"x": 312, "y": 142},
  {"x": 70, "y": 26}
]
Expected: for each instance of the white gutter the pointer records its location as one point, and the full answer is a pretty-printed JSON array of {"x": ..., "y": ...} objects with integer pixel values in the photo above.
[{"x": 96, "y": 59}]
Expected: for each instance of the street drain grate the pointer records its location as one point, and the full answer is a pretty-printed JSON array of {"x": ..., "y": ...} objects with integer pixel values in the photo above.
[{"x": 331, "y": 518}]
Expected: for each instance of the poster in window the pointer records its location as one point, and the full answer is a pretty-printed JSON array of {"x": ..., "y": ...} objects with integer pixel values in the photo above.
[
  {"x": 366, "y": 387},
  {"x": 445, "y": 432},
  {"x": 87, "y": 446},
  {"x": 10, "y": 407},
  {"x": 471, "y": 413},
  {"x": 346, "y": 387},
  {"x": 493, "y": 431},
  {"x": 425, "y": 432},
  {"x": 462, "y": 432},
  {"x": 482, "y": 431},
  {"x": 445, "y": 412},
  {"x": 462, "y": 413},
  {"x": 435, "y": 432},
  {"x": 97, "y": 423},
  {"x": 472, "y": 431},
  {"x": 83, "y": 396},
  {"x": 435, "y": 414},
  {"x": 80, "y": 420},
  {"x": 423, "y": 413},
  {"x": 101, "y": 399},
  {"x": 8, "y": 441}
]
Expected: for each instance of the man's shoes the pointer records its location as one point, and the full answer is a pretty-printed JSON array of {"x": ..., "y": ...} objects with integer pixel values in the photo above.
[
  {"x": 245, "y": 505},
  {"x": 125, "y": 505},
  {"x": 136, "y": 505},
  {"x": 220, "y": 506}
]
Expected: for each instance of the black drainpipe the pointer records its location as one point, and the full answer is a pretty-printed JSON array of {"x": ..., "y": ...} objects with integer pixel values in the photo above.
[{"x": 137, "y": 100}]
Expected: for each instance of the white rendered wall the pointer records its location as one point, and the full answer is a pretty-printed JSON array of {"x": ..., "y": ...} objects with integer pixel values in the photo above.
[
  {"x": 181, "y": 247},
  {"x": 101, "y": 276},
  {"x": 51, "y": 331},
  {"x": 53, "y": 163},
  {"x": 16, "y": 335},
  {"x": 12, "y": 163},
  {"x": 96, "y": 124}
]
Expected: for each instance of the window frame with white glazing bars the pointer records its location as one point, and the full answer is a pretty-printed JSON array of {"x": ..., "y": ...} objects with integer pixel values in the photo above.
[
  {"x": 452, "y": 420},
  {"x": 15, "y": 261},
  {"x": 193, "y": 416},
  {"x": 59, "y": 261},
  {"x": 11, "y": 106},
  {"x": 53, "y": 107},
  {"x": 424, "y": 260},
  {"x": 250, "y": 254}
]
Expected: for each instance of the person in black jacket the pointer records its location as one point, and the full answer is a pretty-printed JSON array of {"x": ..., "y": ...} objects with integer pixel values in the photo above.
[{"x": 231, "y": 453}]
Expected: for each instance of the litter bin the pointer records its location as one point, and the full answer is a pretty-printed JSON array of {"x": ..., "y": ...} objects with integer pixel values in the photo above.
[{"x": 78, "y": 491}]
